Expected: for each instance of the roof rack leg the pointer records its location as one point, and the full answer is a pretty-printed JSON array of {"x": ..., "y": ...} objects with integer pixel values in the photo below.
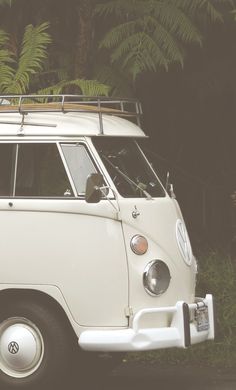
[
  {"x": 139, "y": 113},
  {"x": 21, "y": 129},
  {"x": 100, "y": 117}
]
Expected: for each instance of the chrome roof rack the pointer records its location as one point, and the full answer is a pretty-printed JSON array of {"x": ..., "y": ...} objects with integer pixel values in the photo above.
[{"x": 24, "y": 104}]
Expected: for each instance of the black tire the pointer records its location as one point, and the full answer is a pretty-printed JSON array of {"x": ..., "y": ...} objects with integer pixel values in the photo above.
[{"x": 55, "y": 345}]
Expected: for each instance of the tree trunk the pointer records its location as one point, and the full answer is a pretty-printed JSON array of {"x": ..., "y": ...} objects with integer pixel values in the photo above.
[{"x": 83, "y": 47}]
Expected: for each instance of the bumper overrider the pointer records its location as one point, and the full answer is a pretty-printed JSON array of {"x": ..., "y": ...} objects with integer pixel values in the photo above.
[{"x": 191, "y": 324}]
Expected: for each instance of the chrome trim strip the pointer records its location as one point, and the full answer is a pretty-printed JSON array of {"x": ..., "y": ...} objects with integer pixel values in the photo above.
[{"x": 15, "y": 170}]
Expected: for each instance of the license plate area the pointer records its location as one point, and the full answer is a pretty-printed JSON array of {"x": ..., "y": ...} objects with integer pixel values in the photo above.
[{"x": 201, "y": 319}]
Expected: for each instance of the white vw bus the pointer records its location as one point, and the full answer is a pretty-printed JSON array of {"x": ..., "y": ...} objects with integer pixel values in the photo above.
[{"x": 94, "y": 252}]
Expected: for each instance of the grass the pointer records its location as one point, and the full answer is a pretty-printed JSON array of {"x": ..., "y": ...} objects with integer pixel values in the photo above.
[{"x": 217, "y": 275}]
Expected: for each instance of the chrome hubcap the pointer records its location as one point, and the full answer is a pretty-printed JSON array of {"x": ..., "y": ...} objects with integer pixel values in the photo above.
[{"x": 21, "y": 347}]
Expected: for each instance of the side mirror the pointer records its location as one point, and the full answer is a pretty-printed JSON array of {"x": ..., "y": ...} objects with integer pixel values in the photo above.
[{"x": 93, "y": 193}]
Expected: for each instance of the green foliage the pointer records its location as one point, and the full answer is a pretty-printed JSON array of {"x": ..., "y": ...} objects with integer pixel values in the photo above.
[
  {"x": 32, "y": 55},
  {"x": 5, "y": 55},
  {"x": 6, "y": 58},
  {"x": 211, "y": 8},
  {"x": 217, "y": 275},
  {"x": 146, "y": 35},
  {"x": 5, "y": 2},
  {"x": 149, "y": 39},
  {"x": 150, "y": 34},
  {"x": 119, "y": 83},
  {"x": 120, "y": 8},
  {"x": 85, "y": 87},
  {"x": 234, "y": 14},
  {"x": 30, "y": 65}
]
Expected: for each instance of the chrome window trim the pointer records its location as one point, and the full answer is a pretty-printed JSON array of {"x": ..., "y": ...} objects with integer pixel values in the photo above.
[
  {"x": 112, "y": 185},
  {"x": 15, "y": 156},
  {"x": 152, "y": 169},
  {"x": 58, "y": 143},
  {"x": 67, "y": 170},
  {"x": 94, "y": 162},
  {"x": 16, "y": 153}
]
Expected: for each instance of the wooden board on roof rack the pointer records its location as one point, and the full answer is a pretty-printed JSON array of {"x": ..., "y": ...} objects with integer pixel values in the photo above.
[
  {"x": 58, "y": 106},
  {"x": 24, "y": 104},
  {"x": 60, "y": 102}
]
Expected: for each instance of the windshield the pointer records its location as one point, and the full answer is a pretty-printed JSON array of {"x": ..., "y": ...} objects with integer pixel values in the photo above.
[{"x": 128, "y": 168}]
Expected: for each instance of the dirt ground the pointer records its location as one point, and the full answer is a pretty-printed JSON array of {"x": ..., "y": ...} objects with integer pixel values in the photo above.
[
  {"x": 133, "y": 375},
  {"x": 142, "y": 376}
]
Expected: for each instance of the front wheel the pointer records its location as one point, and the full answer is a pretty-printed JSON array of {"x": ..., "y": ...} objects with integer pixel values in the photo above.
[{"x": 35, "y": 346}]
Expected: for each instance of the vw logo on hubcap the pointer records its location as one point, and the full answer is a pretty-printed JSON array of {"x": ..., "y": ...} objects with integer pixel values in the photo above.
[{"x": 13, "y": 347}]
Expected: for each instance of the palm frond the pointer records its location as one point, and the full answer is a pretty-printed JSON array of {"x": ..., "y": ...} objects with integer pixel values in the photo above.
[
  {"x": 212, "y": 9},
  {"x": 6, "y": 2},
  {"x": 154, "y": 33},
  {"x": 55, "y": 89},
  {"x": 214, "y": 14},
  {"x": 119, "y": 8},
  {"x": 6, "y": 58},
  {"x": 170, "y": 46},
  {"x": 144, "y": 48},
  {"x": 3, "y": 38},
  {"x": 114, "y": 77},
  {"x": 86, "y": 87},
  {"x": 91, "y": 87},
  {"x": 6, "y": 74},
  {"x": 234, "y": 14},
  {"x": 33, "y": 53},
  {"x": 163, "y": 38},
  {"x": 177, "y": 21},
  {"x": 118, "y": 34}
]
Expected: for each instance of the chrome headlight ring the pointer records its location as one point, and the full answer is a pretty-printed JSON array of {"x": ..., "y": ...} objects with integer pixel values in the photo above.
[{"x": 156, "y": 278}]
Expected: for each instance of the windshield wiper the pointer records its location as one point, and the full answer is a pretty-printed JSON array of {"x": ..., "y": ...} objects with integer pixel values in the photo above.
[{"x": 127, "y": 178}]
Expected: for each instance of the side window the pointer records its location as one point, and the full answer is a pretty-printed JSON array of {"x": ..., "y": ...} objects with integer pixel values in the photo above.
[
  {"x": 6, "y": 168},
  {"x": 40, "y": 172},
  {"x": 80, "y": 165}
]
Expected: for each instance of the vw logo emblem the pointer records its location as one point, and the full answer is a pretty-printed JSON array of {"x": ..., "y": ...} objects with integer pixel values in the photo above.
[
  {"x": 183, "y": 242},
  {"x": 13, "y": 347}
]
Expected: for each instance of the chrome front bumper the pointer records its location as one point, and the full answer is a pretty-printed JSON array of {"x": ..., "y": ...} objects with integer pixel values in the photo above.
[{"x": 181, "y": 333}]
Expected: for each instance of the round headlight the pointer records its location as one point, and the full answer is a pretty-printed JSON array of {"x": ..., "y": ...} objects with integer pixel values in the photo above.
[
  {"x": 139, "y": 245},
  {"x": 156, "y": 277}
]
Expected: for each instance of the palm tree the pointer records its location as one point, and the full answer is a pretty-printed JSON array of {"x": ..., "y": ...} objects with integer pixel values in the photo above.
[
  {"x": 27, "y": 66},
  {"x": 70, "y": 60},
  {"x": 150, "y": 34}
]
